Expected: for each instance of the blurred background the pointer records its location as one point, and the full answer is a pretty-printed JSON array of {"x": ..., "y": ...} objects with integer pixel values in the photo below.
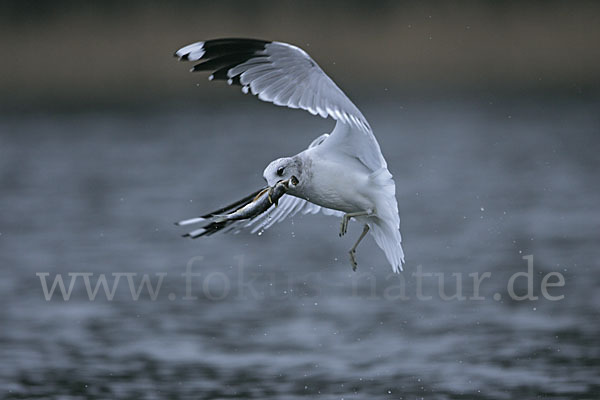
[
  {"x": 487, "y": 113},
  {"x": 90, "y": 53}
]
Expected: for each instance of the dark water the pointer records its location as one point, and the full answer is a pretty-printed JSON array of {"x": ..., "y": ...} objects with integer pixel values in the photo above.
[{"x": 481, "y": 184}]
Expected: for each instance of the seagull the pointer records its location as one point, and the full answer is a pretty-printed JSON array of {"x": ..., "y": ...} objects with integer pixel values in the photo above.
[{"x": 342, "y": 173}]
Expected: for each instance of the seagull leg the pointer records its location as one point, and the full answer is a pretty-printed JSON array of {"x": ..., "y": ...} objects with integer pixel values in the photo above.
[
  {"x": 346, "y": 218},
  {"x": 353, "y": 249}
]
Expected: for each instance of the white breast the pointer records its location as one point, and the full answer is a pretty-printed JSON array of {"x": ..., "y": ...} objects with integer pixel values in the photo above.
[{"x": 342, "y": 186}]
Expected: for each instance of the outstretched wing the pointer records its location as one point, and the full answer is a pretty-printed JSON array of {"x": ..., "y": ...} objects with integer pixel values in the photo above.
[{"x": 286, "y": 75}]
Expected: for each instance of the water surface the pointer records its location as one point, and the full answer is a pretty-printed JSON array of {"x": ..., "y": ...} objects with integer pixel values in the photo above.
[{"x": 481, "y": 183}]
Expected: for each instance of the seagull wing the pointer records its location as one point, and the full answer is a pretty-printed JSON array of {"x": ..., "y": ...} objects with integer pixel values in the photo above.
[{"x": 286, "y": 75}]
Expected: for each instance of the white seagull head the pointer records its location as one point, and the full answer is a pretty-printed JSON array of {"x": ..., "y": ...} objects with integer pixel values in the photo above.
[{"x": 283, "y": 169}]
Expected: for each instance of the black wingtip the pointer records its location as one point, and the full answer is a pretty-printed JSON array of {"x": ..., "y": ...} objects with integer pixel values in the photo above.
[{"x": 224, "y": 54}]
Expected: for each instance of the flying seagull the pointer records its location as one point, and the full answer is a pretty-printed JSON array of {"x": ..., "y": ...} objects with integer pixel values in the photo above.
[{"x": 342, "y": 173}]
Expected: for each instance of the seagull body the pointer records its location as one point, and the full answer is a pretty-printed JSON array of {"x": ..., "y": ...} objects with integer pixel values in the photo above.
[{"x": 342, "y": 173}]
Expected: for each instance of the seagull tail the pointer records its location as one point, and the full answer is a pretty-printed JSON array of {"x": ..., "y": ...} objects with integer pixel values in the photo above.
[
  {"x": 385, "y": 227},
  {"x": 389, "y": 240}
]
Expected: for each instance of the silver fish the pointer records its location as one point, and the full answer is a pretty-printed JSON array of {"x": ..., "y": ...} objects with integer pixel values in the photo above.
[
  {"x": 246, "y": 208},
  {"x": 261, "y": 203}
]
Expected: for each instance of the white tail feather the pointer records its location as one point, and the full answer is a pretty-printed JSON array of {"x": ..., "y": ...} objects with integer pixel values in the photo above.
[
  {"x": 389, "y": 240},
  {"x": 385, "y": 228}
]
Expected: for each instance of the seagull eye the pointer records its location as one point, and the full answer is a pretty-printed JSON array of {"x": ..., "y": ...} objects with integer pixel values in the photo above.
[{"x": 280, "y": 171}]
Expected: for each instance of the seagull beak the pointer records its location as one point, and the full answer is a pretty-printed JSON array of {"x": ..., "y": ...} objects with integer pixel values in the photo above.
[{"x": 293, "y": 180}]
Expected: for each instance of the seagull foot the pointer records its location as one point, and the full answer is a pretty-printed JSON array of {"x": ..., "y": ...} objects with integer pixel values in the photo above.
[
  {"x": 353, "y": 259},
  {"x": 344, "y": 226}
]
